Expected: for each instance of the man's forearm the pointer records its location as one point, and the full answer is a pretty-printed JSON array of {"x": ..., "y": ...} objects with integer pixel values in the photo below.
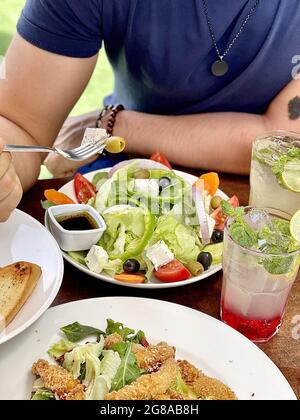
[
  {"x": 27, "y": 166},
  {"x": 216, "y": 141}
]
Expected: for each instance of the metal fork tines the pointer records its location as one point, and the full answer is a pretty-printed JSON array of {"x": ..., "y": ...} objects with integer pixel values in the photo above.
[{"x": 78, "y": 154}]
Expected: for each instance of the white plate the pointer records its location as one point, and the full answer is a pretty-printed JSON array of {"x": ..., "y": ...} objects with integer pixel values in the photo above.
[
  {"x": 153, "y": 283},
  {"x": 25, "y": 239},
  {"x": 212, "y": 346}
]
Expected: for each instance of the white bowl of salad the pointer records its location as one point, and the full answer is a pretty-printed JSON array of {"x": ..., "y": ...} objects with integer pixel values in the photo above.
[{"x": 164, "y": 227}]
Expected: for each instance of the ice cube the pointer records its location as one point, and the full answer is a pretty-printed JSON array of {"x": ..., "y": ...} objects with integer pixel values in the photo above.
[{"x": 257, "y": 219}]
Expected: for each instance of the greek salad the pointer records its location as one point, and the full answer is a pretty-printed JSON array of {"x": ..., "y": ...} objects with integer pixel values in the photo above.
[{"x": 157, "y": 223}]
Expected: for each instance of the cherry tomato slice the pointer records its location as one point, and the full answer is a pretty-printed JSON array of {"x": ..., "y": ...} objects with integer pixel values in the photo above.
[
  {"x": 57, "y": 197},
  {"x": 172, "y": 272},
  {"x": 219, "y": 216},
  {"x": 84, "y": 189},
  {"x": 160, "y": 158}
]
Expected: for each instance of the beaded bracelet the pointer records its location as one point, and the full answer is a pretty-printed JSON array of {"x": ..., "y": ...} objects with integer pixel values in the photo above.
[{"x": 113, "y": 112}]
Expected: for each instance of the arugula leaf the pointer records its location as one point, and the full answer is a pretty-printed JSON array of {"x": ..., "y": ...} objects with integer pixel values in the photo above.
[
  {"x": 60, "y": 348},
  {"x": 117, "y": 327},
  {"x": 47, "y": 204},
  {"x": 128, "y": 371},
  {"x": 77, "y": 332},
  {"x": 82, "y": 372},
  {"x": 43, "y": 394},
  {"x": 139, "y": 337}
]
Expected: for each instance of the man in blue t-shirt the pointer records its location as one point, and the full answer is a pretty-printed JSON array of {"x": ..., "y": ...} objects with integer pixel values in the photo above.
[{"x": 199, "y": 79}]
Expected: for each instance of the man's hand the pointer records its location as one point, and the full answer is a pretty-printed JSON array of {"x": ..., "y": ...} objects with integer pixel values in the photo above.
[{"x": 10, "y": 186}]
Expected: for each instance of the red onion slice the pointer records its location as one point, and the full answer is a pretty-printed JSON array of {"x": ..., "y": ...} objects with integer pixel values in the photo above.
[
  {"x": 143, "y": 164},
  {"x": 202, "y": 216}
]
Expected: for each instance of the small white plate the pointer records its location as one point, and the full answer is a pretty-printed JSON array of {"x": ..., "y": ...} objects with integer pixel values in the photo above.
[
  {"x": 209, "y": 344},
  {"x": 153, "y": 283},
  {"x": 25, "y": 239}
]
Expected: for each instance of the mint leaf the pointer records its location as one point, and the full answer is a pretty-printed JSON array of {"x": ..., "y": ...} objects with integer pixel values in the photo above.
[
  {"x": 283, "y": 159},
  {"x": 77, "y": 332},
  {"x": 278, "y": 265},
  {"x": 230, "y": 211},
  {"x": 243, "y": 234}
]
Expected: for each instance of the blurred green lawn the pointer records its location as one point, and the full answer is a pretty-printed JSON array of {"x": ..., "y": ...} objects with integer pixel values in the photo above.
[{"x": 100, "y": 85}]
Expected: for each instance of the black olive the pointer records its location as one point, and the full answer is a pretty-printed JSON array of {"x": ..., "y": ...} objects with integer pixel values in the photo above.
[
  {"x": 131, "y": 266},
  {"x": 205, "y": 258},
  {"x": 164, "y": 182},
  {"x": 217, "y": 236}
]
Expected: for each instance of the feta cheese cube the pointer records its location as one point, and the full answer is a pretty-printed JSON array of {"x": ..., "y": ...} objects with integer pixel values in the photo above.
[
  {"x": 147, "y": 186},
  {"x": 96, "y": 259},
  {"x": 159, "y": 254}
]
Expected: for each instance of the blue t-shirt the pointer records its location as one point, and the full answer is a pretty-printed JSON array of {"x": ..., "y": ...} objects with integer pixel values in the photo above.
[{"x": 161, "y": 51}]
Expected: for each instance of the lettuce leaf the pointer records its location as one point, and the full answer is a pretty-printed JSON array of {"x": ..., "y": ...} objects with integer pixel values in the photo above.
[
  {"x": 43, "y": 394},
  {"x": 181, "y": 240},
  {"x": 128, "y": 232},
  {"x": 60, "y": 348},
  {"x": 182, "y": 388}
]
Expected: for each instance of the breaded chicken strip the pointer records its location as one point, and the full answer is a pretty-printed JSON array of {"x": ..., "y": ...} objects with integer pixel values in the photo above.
[
  {"x": 152, "y": 358},
  {"x": 203, "y": 386},
  {"x": 147, "y": 387},
  {"x": 169, "y": 395},
  {"x": 111, "y": 340},
  {"x": 59, "y": 381}
]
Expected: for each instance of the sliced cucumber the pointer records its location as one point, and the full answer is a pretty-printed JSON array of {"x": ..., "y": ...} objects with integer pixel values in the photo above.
[
  {"x": 216, "y": 250},
  {"x": 78, "y": 256}
]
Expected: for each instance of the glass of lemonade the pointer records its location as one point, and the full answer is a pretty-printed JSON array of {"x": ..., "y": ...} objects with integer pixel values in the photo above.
[
  {"x": 260, "y": 263},
  {"x": 275, "y": 171}
]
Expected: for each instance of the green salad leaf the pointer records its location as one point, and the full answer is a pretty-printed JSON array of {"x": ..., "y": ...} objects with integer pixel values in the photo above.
[
  {"x": 181, "y": 240},
  {"x": 47, "y": 204},
  {"x": 117, "y": 327},
  {"x": 60, "y": 348},
  {"x": 43, "y": 394},
  {"x": 76, "y": 332},
  {"x": 182, "y": 388},
  {"x": 128, "y": 232},
  {"x": 128, "y": 370},
  {"x": 99, "y": 178}
]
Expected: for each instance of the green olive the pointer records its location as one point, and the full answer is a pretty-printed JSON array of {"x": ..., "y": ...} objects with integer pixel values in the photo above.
[
  {"x": 195, "y": 268},
  {"x": 142, "y": 174},
  {"x": 216, "y": 202}
]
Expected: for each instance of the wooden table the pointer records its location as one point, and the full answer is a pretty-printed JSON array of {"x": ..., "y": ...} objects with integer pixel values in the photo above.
[{"x": 204, "y": 296}]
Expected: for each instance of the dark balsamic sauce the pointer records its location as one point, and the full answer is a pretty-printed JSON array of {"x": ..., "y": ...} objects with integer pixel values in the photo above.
[{"x": 77, "y": 221}]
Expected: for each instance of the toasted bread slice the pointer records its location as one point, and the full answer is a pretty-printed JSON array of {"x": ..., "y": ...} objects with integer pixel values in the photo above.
[{"x": 17, "y": 282}]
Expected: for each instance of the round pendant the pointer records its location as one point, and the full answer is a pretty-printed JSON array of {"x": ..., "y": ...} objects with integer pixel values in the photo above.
[{"x": 219, "y": 68}]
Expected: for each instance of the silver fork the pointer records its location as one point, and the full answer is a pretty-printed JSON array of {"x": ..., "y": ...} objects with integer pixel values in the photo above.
[{"x": 81, "y": 153}]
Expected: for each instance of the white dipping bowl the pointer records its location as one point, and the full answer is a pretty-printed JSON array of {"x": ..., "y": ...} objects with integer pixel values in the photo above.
[{"x": 71, "y": 240}]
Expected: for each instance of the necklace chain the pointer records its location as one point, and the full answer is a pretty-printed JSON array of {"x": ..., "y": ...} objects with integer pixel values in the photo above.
[{"x": 212, "y": 34}]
